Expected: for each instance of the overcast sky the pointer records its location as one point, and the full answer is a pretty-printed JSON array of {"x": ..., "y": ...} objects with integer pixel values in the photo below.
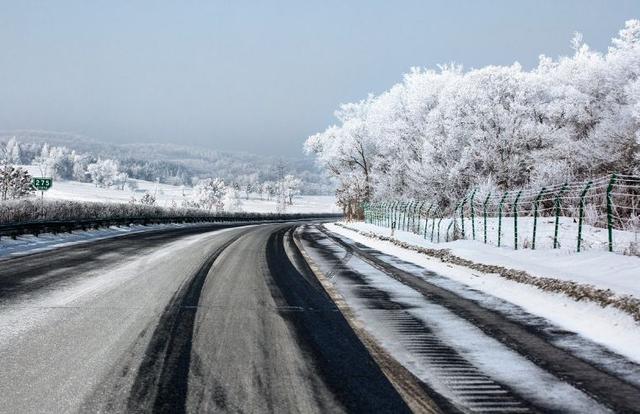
[{"x": 256, "y": 76}]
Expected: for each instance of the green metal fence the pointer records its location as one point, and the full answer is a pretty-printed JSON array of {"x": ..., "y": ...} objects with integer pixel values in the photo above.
[{"x": 601, "y": 213}]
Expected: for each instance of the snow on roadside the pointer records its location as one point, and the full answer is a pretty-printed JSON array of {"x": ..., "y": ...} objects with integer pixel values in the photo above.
[
  {"x": 599, "y": 268},
  {"x": 607, "y": 326},
  {"x": 27, "y": 244},
  {"x": 481, "y": 350}
]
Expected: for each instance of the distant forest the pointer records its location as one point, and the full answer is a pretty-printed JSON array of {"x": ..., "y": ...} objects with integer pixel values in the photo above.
[{"x": 166, "y": 163}]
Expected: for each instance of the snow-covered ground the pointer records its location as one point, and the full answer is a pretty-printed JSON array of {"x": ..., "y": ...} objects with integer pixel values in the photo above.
[
  {"x": 166, "y": 194},
  {"x": 607, "y": 326},
  {"x": 386, "y": 324},
  {"x": 597, "y": 267}
]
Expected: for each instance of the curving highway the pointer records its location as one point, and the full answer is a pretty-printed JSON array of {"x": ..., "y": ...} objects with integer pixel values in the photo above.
[
  {"x": 278, "y": 318},
  {"x": 193, "y": 320}
]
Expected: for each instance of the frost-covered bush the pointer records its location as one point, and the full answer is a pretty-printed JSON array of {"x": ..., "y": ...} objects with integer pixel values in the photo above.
[
  {"x": 32, "y": 209},
  {"x": 148, "y": 199}
]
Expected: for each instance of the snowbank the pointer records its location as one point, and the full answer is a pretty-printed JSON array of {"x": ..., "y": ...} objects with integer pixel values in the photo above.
[
  {"x": 615, "y": 327},
  {"x": 616, "y": 272}
]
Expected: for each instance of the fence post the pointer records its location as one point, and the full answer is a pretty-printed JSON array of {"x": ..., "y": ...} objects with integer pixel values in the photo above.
[
  {"x": 373, "y": 213},
  {"x": 473, "y": 216},
  {"x": 406, "y": 208},
  {"x": 426, "y": 220},
  {"x": 558, "y": 211},
  {"x": 581, "y": 215},
  {"x": 535, "y": 216},
  {"x": 500, "y": 217},
  {"x": 433, "y": 228},
  {"x": 385, "y": 214},
  {"x": 484, "y": 206},
  {"x": 416, "y": 211},
  {"x": 515, "y": 220},
  {"x": 464, "y": 201},
  {"x": 419, "y": 218},
  {"x": 392, "y": 210},
  {"x": 412, "y": 216},
  {"x": 610, "y": 211},
  {"x": 454, "y": 220},
  {"x": 394, "y": 219}
]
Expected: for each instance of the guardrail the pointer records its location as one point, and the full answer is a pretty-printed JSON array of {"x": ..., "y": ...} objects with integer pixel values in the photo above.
[{"x": 67, "y": 226}]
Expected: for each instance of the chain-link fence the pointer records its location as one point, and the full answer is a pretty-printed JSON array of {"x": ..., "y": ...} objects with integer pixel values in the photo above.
[{"x": 603, "y": 213}]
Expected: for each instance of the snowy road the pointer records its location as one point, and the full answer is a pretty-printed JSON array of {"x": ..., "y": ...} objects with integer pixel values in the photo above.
[
  {"x": 233, "y": 319},
  {"x": 180, "y": 321},
  {"x": 481, "y": 353}
]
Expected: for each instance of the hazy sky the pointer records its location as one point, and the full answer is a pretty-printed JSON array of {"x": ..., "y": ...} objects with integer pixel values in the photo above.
[{"x": 256, "y": 76}]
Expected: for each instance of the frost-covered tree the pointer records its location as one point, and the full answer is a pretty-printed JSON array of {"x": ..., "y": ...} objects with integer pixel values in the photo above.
[
  {"x": 292, "y": 186},
  {"x": 13, "y": 151},
  {"x": 349, "y": 150},
  {"x": 209, "y": 194},
  {"x": 121, "y": 180},
  {"x": 103, "y": 173},
  {"x": 80, "y": 169},
  {"x": 15, "y": 182},
  {"x": 248, "y": 183},
  {"x": 231, "y": 200},
  {"x": 268, "y": 189},
  {"x": 439, "y": 133}
]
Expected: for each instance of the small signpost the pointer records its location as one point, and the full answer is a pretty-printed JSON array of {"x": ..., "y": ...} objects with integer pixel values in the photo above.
[{"x": 42, "y": 184}]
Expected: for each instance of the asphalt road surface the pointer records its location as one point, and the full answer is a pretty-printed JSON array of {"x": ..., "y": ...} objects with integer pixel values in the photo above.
[{"x": 194, "y": 320}]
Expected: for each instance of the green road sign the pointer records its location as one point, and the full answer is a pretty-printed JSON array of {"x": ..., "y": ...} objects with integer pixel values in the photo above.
[{"x": 42, "y": 183}]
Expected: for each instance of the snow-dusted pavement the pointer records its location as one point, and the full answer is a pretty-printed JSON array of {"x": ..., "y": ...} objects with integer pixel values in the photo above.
[
  {"x": 190, "y": 320},
  {"x": 29, "y": 244},
  {"x": 481, "y": 352}
]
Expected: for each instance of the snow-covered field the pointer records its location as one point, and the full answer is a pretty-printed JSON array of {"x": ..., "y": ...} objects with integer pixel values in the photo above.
[
  {"x": 607, "y": 326},
  {"x": 166, "y": 194}
]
